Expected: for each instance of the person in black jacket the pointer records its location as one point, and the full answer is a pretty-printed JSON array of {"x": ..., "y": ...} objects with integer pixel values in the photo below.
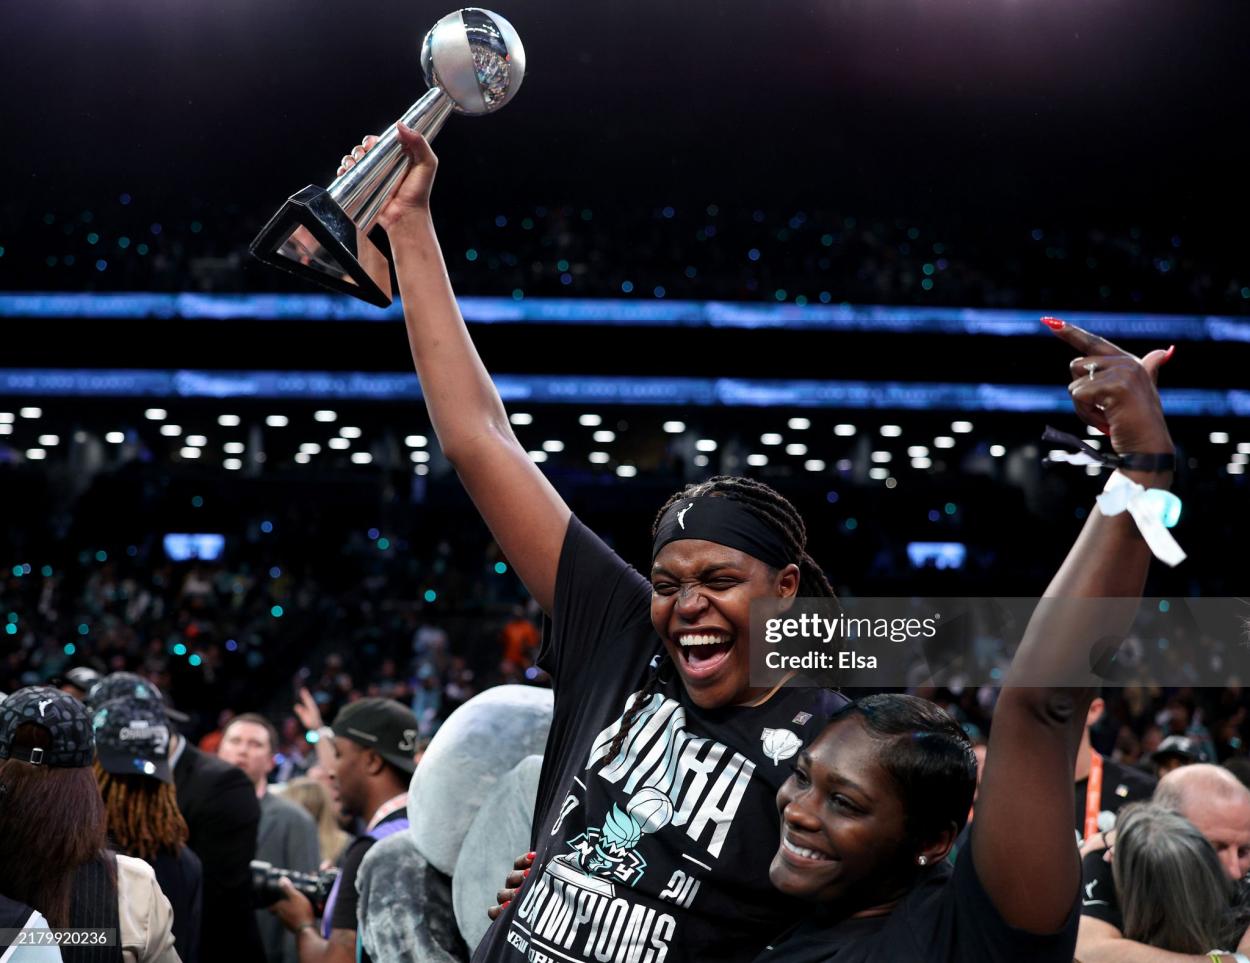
[
  {"x": 132, "y": 767},
  {"x": 222, "y": 813}
]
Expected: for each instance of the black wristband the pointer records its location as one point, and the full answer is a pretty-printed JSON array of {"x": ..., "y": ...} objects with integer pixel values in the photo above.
[{"x": 1131, "y": 461}]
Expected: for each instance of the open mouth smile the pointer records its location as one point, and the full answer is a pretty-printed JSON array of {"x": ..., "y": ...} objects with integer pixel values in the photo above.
[{"x": 703, "y": 652}]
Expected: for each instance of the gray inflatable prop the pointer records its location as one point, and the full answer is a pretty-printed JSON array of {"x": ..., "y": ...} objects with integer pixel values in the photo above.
[
  {"x": 405, "y": 911},
  {"x": 499, "y": 834},
  {"x": 475, "y": 748}
]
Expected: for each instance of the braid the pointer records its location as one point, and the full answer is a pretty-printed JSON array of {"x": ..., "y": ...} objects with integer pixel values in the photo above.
[
  {"x": 770, "y": 506},
  {"x": 641, "y": 698},
  {"x": 143, "y": 816}
]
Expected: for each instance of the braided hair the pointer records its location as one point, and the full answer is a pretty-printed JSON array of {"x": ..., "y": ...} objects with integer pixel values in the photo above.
[
  {"x": 771, "y": 507},
  {"x": 143, "y": 815}
]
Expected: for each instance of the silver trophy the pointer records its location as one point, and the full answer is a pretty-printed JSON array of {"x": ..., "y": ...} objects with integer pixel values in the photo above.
[{"x": 474, "y": 63}]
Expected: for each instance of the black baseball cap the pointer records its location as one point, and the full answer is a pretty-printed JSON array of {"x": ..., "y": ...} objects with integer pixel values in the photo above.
[
  {"x": 383, "y": 725},
  {"x": 1180, "y": 747},
  {"x": 63, "y": 717},
  {"x": 132, "y": 738},
  {"x": 128, "y": 685},
  {"x": 80, "y": 677}
]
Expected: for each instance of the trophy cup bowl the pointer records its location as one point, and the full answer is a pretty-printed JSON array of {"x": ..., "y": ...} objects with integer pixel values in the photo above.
[{"x": 474, "y": 62}]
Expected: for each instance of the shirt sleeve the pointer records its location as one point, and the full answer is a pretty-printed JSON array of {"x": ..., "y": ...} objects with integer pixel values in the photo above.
[
  {"x": 146, "y": 919},
  {"x": 1098, "y": 898},
  {"x": 981, "y": 933},
  {"x": 32, "y": 954},
  {"x": 599, "y": 599},
  {"x": 344, "y": 917}
]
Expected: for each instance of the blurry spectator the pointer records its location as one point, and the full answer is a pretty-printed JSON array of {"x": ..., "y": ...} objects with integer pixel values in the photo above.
[
  {"x": 132, "y": 767},
  {"x": 1218, "y": 806},
  {"x": 53, "y": 838},
  {"x": 211, "y": 741},
  {"x": 1173, "y": 892},
  {"x": 1177, "y": 751},
  {"x": 77, "y": 681},
  {"x": 316, "y": 799},
  {"x": 1103, "y": 786},
  {"x": 219, "y": 804},
  {"x": 519, "y": 639},
  {"x": 375, "y": 740},
  {"x": 287, "y": 837}
]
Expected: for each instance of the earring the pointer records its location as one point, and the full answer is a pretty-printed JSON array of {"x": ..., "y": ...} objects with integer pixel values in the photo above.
[{"x": 923, "y": 860}]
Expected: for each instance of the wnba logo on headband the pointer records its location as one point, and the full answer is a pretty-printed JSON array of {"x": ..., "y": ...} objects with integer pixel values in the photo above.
[{"x": 724, "y": 521}]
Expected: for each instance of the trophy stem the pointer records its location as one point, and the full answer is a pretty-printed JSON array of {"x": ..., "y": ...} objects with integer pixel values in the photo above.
[{"x": 362, "y": 191}]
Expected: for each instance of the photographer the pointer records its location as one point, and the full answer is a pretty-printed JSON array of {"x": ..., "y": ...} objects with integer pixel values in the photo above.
[{"x": 374, "y": 740}]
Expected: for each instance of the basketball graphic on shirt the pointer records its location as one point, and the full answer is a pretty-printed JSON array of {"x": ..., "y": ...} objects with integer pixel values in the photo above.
[
  {"x": 650, "y": 809},
  {"x": 780, "y": 744}
]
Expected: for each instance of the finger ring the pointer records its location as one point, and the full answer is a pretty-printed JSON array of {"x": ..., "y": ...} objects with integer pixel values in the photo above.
[{"x": 1091, "y": 368}]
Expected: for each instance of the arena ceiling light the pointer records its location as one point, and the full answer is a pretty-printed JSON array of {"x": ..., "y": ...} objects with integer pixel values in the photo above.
[
  {"x": 232, "y": 464},
  {"x": 814, "y": 464},
  {"x": 302, "y": 458},
  {"x": 796, "y": 449},
  {"x": 626, "y": 471},
  {"x": 277, "y": 421},
  {"x": 590, "y": 421},
  {"x": 310, "y": 448},
  {"x": 31, "y": 412},
  {"x": 190, "y": 452},
  {"x": 604, "y": 436},
  {"x": 1236, "y": 469},
  {"x": 844, "y": 464},
  {"x": 997, "y": 451},
  {"x": 770, "y": 438},
  {"x": 348, "y": 431},
  {"x": 171, "y": 431},
  {"x": 599, "y": 458},
  {"x": 339, "y": 444},
  {"x": 555, "y": 444},
  {"x": 844, "y": 431},
  {"x": 1243, "y": 448},
  {"x": 6, "y": 418},
  {"x": 155, "y": 414},
  {"x": 49, "y": 441},
  {"x": 943, "y": 441},
  {"x": 197, "y": 441},
  {"x": 416, "y": 441},
  {"x": 115, "y": 437},
  {"x": 422, "y": 469},
  {"x": 700, "y": 461},
  {"x": 757, "y": 460},
  {"x": 1239, "y": 459},
  {"x": 882, "y": 457},
  {"x": 921, "y": 464},
  {"x": 233, "y": 448},
  {"x": 325, "y": 415},
  {"x": 674, "y": 427},
  {"x": 521, "y": 418},
  {"x": 229, "y": 421},
  {"x": 5, "y": 428},
  {"x": 538, "y": 456},
  {"x": 361, "y": 458},
  {"x": 917, "y": 451},
  {"x": 36, "y": 454},
  {"x": 420, "y": 457},
  {"x": 1218, "y": 437},
  {"x": 891, "y": 431},
  {"x": 961, "y": 427},
  {"x": 799, "y": 424},
  {"x": 705, "y": 444},
  {"x": 878, "y": 474}
]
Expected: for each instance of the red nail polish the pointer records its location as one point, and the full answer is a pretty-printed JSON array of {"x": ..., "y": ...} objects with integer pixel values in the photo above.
[
  {"x": 1168, "y": 357},
  {"x": 1053, "y": 323},
  {"x": 530, "y": 855},
  {"x": 504, "y": 903},
  {"x": 524, "y": 874}
]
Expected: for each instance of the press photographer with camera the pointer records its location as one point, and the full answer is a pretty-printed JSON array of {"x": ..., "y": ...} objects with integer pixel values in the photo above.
[{"x": 374, "y": 742}]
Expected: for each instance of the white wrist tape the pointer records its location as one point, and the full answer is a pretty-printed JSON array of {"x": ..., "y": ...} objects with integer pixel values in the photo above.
[{"x": 1154, "y": 510}]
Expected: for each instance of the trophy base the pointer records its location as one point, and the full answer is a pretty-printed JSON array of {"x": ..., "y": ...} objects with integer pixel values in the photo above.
[{"x": 312, "y": 238}]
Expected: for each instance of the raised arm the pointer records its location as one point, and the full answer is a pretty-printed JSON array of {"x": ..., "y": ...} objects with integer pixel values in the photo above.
[
  {"x": 523, "y": 511},
  {"x": 1022, "y": 842}
]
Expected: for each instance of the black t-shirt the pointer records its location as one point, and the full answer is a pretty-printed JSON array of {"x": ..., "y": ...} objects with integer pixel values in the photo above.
[
  {"x": 1098, "y": 896},
  {"x": 343, "y": 915},
  {"x": 948, "y": 918},
  {"x": 1121, "y": 785},
  {"x": 662, "y": 854}
]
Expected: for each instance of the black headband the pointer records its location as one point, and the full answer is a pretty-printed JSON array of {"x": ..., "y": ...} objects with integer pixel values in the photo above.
[{"x": 724, "y": 521}]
